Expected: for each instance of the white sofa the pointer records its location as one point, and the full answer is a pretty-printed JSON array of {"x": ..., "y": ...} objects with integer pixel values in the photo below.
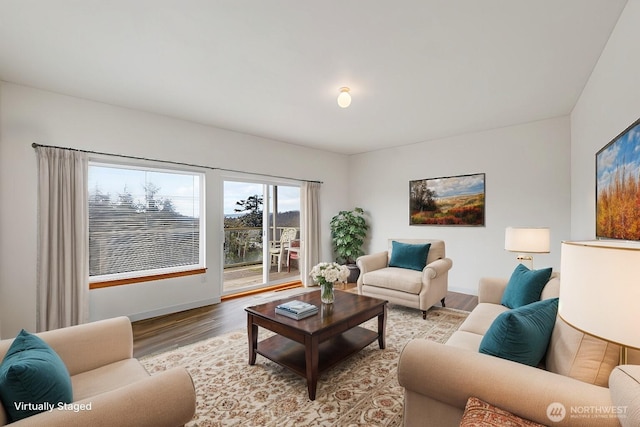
[{"x": 439, "y": 378}]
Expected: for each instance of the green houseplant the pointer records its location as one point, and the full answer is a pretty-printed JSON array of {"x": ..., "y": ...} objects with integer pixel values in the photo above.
[{"x": 348, "y": 230}]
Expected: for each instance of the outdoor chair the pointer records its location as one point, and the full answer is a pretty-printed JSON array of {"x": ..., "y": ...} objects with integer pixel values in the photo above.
[{"x": 278, "y": 250}]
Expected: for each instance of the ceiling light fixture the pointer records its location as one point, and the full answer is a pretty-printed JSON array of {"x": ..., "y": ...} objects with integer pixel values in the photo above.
[{"x": 344, "y": 98}]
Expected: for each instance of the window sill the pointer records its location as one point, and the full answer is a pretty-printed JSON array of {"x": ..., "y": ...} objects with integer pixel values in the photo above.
[{"x": 132, "y": 280}]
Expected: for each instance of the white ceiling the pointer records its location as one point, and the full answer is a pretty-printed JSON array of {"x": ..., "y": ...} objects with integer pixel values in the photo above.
[{"x": 417, "y": 69}]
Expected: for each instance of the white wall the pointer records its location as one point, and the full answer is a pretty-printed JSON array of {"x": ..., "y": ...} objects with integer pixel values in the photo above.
[
  {"x": 609, "y": 103},
  {"x": 29, "y": 115},
  {"x": 527, "y": 184}
]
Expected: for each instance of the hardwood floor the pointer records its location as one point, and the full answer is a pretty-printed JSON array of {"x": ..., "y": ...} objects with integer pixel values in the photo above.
[
  {"x": 178, "y": 329},
  {"x": 461, "y": 301}
]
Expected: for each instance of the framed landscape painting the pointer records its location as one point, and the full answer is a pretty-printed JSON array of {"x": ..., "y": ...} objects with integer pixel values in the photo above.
[
  {"x": 454, "y": 200},
  {"x": 618, "y": 186}
]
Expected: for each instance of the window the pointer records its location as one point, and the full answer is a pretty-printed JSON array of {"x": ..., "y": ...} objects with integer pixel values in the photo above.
[{"x": 144, "y": 222}]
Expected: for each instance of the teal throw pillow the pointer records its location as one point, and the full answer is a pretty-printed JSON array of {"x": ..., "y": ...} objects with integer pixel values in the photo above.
[
  {"x": 33, "y": 378},
  {"x": 406, "y": 255},
  {"x": 525, "y": 286},
  {"x": 522, "y": 334}
]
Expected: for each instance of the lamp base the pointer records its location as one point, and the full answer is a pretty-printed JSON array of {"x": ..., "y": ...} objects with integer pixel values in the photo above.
[{"x": 526, "y": 260}]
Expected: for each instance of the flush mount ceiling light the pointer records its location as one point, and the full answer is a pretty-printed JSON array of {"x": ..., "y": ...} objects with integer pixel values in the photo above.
[{"x": 344, "y": 98}]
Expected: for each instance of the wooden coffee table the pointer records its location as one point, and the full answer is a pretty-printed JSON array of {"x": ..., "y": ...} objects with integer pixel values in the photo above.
[{"x": 312, "y": 345}]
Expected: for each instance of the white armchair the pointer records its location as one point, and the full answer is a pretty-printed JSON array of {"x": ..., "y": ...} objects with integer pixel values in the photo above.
[{"x": 404, "y": 286}]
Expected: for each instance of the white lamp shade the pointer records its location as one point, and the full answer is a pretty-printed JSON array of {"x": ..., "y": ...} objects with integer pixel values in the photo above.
[
  {"x": 600, "y": 289},
  {"x": 527, "y": 240}
]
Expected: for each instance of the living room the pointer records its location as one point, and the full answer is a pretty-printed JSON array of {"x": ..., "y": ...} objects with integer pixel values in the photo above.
[{"x": 539, "y": 172}]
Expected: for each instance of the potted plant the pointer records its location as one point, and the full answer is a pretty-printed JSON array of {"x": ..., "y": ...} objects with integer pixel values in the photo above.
[{"x": 348, "y": 230}]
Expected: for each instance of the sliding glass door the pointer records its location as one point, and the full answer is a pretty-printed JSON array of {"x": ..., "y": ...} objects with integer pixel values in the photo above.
[
  {"x": 243, "y": 235},
  {"x": 261, "y": 234},
  {"x": 283, "y": 230}
]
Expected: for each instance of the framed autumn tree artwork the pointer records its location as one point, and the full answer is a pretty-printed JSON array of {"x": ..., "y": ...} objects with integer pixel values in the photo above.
[{"x": 618, "y": 186}]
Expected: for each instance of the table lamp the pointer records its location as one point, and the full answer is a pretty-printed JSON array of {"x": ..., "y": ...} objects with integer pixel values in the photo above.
[
  {"x": 526, "y": 240},
  {"x": 600, "y": 290}
]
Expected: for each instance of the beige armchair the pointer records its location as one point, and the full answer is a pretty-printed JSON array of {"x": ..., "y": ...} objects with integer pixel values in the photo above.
[
  {"x": 104, "y": 374},
  {"x": 411, "y": 288}
]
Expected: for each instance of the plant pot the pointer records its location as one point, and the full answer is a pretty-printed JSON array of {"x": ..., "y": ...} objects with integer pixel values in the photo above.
[{"x": 354, "y": 273}]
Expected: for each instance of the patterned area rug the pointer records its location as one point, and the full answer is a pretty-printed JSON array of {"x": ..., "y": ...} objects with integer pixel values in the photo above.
[{"x": 361, "y": 391}]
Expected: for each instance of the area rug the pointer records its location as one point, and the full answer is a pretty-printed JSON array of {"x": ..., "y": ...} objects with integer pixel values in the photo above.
[{"x": 361, "y": 391}]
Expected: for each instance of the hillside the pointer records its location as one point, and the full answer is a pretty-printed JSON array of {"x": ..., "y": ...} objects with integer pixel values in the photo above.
[{"x": 465, "y": 209}]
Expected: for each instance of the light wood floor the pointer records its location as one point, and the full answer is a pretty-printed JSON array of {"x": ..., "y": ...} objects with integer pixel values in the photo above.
[{"x": 175, "y": 330}]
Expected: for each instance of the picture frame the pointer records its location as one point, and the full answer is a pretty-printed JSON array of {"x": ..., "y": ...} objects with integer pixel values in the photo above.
[
  {"x": 618, "y": 186},
  {"x": 448, "y": 201}
]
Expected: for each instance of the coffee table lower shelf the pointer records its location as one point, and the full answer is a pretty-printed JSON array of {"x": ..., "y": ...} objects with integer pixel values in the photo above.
[{"x": 292, "y": 355}]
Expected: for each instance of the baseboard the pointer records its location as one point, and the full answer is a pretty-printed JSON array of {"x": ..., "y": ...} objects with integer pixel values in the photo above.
[{"x": 172, "y": 309}]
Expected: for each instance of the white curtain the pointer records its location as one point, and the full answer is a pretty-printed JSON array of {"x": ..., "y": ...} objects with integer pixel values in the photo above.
[
  {"x": 63, "y": 238},
  {"x": 310, "y": 218}
]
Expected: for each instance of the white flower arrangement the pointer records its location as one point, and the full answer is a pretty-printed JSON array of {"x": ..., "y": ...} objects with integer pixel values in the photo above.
[{"x": 329, "y": 273}]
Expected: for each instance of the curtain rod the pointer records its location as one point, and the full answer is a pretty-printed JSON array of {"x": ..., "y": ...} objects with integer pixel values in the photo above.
[{"x": 35, "y": 145}]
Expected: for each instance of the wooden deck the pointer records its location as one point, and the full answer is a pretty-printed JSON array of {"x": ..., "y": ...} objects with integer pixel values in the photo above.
[{"x": 240, "y": 278}]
